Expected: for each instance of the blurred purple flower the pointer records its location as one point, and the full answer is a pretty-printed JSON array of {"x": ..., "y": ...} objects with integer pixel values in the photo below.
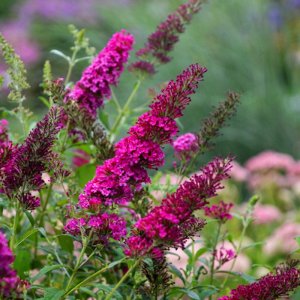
[
  {"x": 64, "y": 10},
  {"x": 275, "y": 17},
  {"x": 293, "y": 3},
  {"x": 17, "y": 35}
]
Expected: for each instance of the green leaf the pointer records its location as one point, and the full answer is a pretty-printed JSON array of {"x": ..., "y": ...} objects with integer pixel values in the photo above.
[
  {"x": 66, "y": 243},
  {"x": 26, "y": 235},
  {"x": 190, "y": 293},
  {"x": 193, "y": 295},
  {"x": 199, "y": 253},
  {"x": 30, "y": 217},
  {"x": 104, "y": 118},
  {"x": 42, "y": 232},
  {"x": 22, "y": 262},
  {"x": 252, "y": 245},
  {"x": 246, "y": 277},
  {"x": 45, "y": 101},
  {"x": 176, "y": 272},
  {"x": 53, "y": 294},
  {"x": 111, "y": 265},
  {"x": 44, "y": 271},
  {"x": 107, "y": 289},
  {"x": 85, "y": 173},
  {"x": 60, "y": 54}
]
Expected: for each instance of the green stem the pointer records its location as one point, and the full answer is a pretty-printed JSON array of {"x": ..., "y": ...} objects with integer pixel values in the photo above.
[
  {"x": 79, "y": 260},
  {"x": 238, "y": 250},
  {"x": 71, "y": 66},
  {"x": 212, "y": 266},
  {"x": 15, "y": 226},
  {"x": 122, "y": 280},
  {"x": 86, "y": 281},
  {"x": 43, "y": 211},
  {"x": 125, "y": 107}
]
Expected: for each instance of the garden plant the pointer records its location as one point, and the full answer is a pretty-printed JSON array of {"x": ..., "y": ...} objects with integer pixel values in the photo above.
[{"x": 88, "y": 210}]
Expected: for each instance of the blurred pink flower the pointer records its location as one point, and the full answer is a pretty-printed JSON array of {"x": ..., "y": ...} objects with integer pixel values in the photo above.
[
  {"x": 283, "y": 239},
  {"x": 238, "y": 173},
  {"x": 269, "y": 160},
  {"x": 269, "y": 168},
  {"x": 264, "y": 214},
  {"x": 80, "y": 158}
]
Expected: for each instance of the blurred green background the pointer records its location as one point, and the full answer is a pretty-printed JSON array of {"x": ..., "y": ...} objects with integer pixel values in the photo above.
[{"x": 252, "y": 47}]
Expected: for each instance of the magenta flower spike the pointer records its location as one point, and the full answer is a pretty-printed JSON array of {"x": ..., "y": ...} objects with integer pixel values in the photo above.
[
  {"x": 172, "y": 223},
  {"x": 119, "y": 178},
  {"x": 271, "y": 286},
  {"x": 105, "y": 71},
  {"x": 10, "y": 284}
]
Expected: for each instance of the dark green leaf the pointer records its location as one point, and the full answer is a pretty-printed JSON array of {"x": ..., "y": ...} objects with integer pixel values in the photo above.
[
  {"x": 176, "y": 272},
  {"x": 30, "y": 217},
  {"x": 22, "y": 262},
  {"x": 53, "y": 294},
  {"x": 26, "y": 235},
  {"x": 66, "y": 243},
  {"x": 44, "y": 271}
]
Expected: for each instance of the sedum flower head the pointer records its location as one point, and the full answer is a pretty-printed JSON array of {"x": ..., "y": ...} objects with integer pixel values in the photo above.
[{"x": 104, "y": 71}]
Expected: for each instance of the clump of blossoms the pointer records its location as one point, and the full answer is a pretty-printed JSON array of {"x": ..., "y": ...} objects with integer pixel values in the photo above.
[
  {"x": 116, "y": 236},
  {"x": 11, "y": 286},
  {"x": 173, "y": 222},
  {"x": 223, "y": 256},
  {"x": 186, "y": 145},
  {"x": 282, "y": 282},
  {"x": 6, "y": 145},
  {"x": 162, "y": 41},
  {"x": 220, "y": 211},
  {"x": 94, "y": 86},
  {"x": 22, "y": 172},
  {"x": 120, "y": 177}
]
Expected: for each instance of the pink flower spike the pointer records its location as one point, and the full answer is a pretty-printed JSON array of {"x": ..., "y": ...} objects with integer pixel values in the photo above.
[{"x": 106, "y": 69}]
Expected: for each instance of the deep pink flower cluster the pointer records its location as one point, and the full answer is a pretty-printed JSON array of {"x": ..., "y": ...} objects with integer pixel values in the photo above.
[
  {"x": 220, "y": 211},
  {"x": 3, "y": 130},
  {"x": 171, "y": 223},
  {"x": 6, "y": 146},
  {"x": 22, "y": 172},
  {"x": 105, "y": 71},
  {"x": 162, "y": 41},
  {"x": 269, "y": 287},
  {"x": 223, "y": 255},
  {"x": 104, "y": 226},
  {"x": 80, "y": 158},
  {"x": 186, "y": 145},
  {"x": 10, "y": 284},
  {"x": 118, "y": 179}
]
